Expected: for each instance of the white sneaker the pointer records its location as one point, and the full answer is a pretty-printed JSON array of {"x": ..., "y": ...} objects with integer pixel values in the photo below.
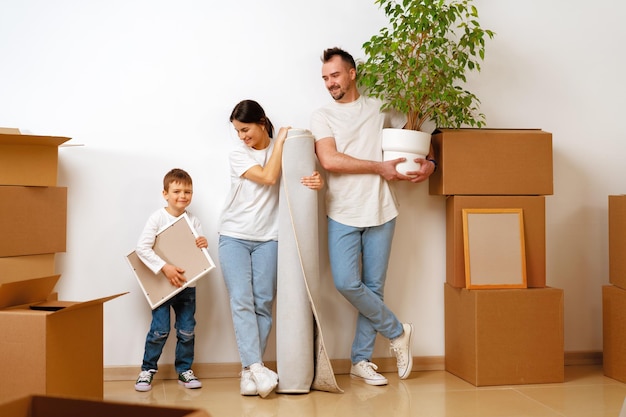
[
  {"x": 265, "y": 379},
  {"x": 401, "y": 347},
  {"x": 247, "y": 385},
  {"x": 366, "y": 371}
]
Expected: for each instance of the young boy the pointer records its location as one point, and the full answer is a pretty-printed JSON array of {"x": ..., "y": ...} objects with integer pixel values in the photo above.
[{"x": 177, "y": 191}]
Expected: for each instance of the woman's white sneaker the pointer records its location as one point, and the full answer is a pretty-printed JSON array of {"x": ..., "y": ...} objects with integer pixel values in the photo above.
[
  {"x": 247, "y": 385},
  {"x": 265, "y": 379}
]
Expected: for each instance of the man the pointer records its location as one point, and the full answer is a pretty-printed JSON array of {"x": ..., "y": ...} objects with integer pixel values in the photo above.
[{"x": 361, "y": 209}]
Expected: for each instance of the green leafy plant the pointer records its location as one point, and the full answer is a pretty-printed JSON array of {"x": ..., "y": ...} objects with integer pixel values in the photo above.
[{"x": 417, "y": 63}]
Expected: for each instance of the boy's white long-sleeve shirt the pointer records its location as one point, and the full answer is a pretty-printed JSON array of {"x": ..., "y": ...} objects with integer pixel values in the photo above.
[{"x": 157, "y": 221}]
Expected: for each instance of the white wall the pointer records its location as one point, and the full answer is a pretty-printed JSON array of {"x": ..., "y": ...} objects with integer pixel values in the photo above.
[{"x": 148, "y": 85}]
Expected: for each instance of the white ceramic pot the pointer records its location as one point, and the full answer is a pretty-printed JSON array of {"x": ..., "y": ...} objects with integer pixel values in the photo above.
[{"x": 405, "y": 143}]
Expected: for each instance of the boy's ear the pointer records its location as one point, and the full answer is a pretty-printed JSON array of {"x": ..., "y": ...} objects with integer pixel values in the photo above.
[{"x": 165, "y": 194}]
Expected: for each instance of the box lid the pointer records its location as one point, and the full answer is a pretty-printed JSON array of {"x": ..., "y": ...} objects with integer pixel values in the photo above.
[
  {"x": 18, "y": 139},
  {"x": 37, "y": 291},
  {"x": 27, "y": 292}
]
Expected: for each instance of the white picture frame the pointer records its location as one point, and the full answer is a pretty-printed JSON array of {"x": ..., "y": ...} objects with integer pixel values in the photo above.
[{"x": 176, "y": 245}]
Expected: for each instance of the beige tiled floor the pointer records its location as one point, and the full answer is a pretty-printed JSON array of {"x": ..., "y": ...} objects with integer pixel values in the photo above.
[{"x": 586, "y": 392}]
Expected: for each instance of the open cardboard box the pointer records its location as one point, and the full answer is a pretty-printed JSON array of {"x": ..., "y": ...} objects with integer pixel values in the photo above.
[
  {"x": 41, "y": 406},
  {"x": 49, "y": 347},
  {"x": 36, "y": 222},
  {"x": 28, "y": 159}
]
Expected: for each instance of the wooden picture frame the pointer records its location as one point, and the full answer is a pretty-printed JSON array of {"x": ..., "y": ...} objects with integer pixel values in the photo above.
[
  {"x": 175, "y": 244},
  {"x": 494, "y": 248}
]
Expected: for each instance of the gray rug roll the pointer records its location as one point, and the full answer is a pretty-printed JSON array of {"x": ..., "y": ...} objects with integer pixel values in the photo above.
[{"x": 301, "y": 357}]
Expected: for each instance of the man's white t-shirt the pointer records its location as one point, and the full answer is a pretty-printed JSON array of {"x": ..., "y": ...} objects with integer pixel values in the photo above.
[
  {"x": 358, "y": 200},
  {"x": 251, "y": 209}
]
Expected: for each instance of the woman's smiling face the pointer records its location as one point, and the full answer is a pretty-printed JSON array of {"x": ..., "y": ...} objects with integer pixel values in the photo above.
[{"x": 253, "y": 135}]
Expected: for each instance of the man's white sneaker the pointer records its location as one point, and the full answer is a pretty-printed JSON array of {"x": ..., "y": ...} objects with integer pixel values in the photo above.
[
  {"x": 265, "y": 379},
  {"x": 247, "y": 385},
  {"x": 366, "y": 371},
  {"x": 401, "y": 347}
]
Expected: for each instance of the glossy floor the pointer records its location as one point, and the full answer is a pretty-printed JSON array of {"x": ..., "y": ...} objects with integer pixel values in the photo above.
[{"x": 586, "y": 392}]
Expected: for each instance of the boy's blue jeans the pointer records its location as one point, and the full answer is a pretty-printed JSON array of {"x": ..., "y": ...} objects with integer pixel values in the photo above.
[
  {"x": 184, "y": 305},
  {"x": 249, "y": 269},
  {"x": 359, "y": 257}
]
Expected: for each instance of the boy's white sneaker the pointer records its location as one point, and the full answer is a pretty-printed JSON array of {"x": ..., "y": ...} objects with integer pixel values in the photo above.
[{"x": 189, "y": 380}]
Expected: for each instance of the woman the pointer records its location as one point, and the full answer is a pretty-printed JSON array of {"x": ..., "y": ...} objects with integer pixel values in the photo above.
[{"x": 248, "y": 239}]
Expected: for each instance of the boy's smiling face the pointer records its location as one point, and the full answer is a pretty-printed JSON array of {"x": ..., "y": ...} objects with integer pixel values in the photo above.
[{"x": 178, "y": 197}]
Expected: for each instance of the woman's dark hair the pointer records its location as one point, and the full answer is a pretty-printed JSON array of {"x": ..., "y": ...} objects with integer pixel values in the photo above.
[{"x": 249, "y": 111}]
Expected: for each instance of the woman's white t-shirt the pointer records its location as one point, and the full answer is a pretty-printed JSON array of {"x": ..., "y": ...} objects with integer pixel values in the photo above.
[{"x": 251, "y": 209}]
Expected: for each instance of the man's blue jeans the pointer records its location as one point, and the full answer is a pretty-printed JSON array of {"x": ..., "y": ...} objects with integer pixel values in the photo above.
[
  {"x": 359, "y": 257},
  {"x": 250, "y": 269},
  {"x": 184, "y": 305}
]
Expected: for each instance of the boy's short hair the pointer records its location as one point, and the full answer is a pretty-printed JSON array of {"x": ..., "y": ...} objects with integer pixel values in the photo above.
[{"x": 176, "y": 175}]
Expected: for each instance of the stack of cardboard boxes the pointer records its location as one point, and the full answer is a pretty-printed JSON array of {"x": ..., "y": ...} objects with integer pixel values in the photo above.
[
  {"x": 614, "y": 295},
  {"x": 48, "y": 347},
  {"x": 499, "y": 336}
]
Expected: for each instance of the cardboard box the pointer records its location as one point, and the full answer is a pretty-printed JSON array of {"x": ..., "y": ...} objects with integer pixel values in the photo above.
[
  {"x": 614, "y": 332},
  {"x": 45, "y": 345},
  {"x": 20, "y": 268},
  {"x": 534, "y": 234},
  {"x": 492, "y": 162},
  {"x": 41, "y": 406},
  {"x": 28, "y": 159},
  {"x": 34, "y": 222},
  {"x": 617, "y": 240},
  {"x": 504, "y": 337}
]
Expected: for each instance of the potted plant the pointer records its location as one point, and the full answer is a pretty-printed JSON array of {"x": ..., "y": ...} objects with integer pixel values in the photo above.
[{"x": 417, "y": 65}]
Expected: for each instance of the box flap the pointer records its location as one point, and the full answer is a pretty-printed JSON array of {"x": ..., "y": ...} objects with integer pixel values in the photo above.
[
  {"x": 11, "y": 130},
  {"x": 17, "y": 139},
  {"x": 26, "y": 292},
  {"x": 82, "y": 304}
]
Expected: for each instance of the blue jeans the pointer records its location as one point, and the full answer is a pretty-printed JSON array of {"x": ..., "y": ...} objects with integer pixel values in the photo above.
[
  {"x": 359, "y": 257},
  {"x": 249, "y": 269},
  {"x": 184, "y": 305}
]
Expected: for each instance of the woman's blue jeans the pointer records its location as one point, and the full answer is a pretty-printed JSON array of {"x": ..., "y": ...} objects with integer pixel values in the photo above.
[
  {"x": 184, "y": 305},
  {"x": 249, "y": 269},
  {"x": 359, "y": 257}
]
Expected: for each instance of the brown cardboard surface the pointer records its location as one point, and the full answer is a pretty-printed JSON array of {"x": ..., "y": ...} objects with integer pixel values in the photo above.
[
  {"x": 614, "y": 332},
  {"x": 19, "y": 268},
  {"x": 33, "y": 220},
  {"x": 617, "y": 240},
  {"x": 534, "y": 234},
  {"x": 47, "y": 349},
  {"x": 504, "y": 337},
  {"x": 48, "y": 406},
  {"x": 29, "y": 159},
  {"x": 492, "y": 162}
]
